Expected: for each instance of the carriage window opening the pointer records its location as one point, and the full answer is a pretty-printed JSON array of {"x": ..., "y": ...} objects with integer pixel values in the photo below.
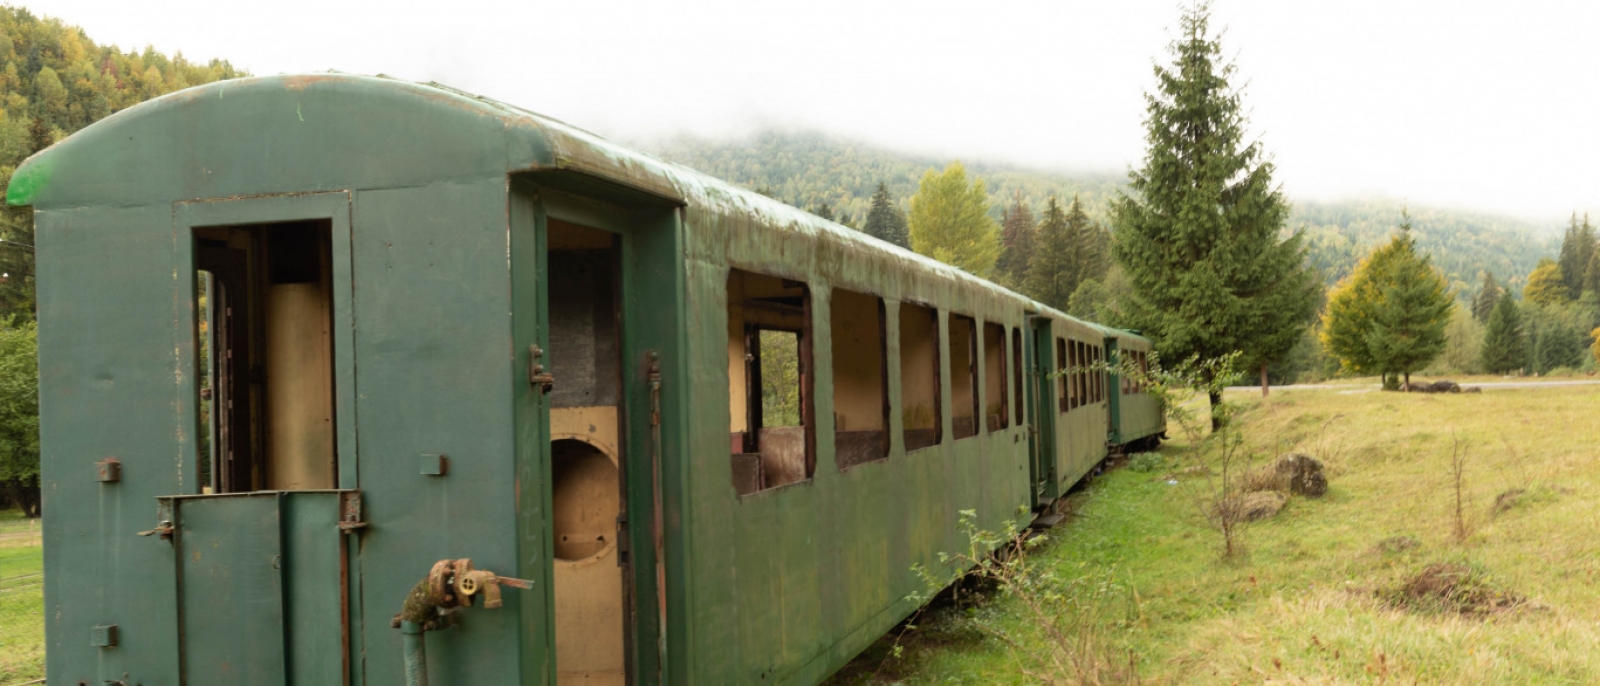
[
  {"x": 964, "y": 376},
  {"x": 920, "y": 413},
  {"x": 1016, "y": 372},
  {"x": 1075, "y": 377},
  {"x": 1063, "y": 378},
  {"x": 1144, "y": 370},
  {"x": 769, "y": 381},
  {"x": 1099, "y": 374},
  {"x": 266, "y": 377},
  {"x": 1090, "y": 377},
  {"x": 1079, "y": 375},
  {"x": 994, "y": 372},
  {"x": 860, "y": 379}
]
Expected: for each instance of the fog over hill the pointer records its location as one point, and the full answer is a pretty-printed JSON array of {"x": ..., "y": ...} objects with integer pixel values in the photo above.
[{"x": 809, "y": 168}]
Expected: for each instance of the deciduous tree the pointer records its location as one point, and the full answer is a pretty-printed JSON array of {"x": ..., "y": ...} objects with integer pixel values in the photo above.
[
  {"x": 949, "y": 221},
  {"x": 1200, "y": 232},
  {"x": 1546, "y": 284},
  {"x": 19, "y": 415}
]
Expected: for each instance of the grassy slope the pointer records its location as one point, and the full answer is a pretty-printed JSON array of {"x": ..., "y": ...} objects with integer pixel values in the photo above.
[{"x": 1301, "y": 607}]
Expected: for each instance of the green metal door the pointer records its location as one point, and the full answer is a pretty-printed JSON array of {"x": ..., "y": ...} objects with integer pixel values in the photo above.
[
  {"x": 1041, "y": 413},
  {"x": 260, "y": 587},
  {"x": 1113, "y": 395}
]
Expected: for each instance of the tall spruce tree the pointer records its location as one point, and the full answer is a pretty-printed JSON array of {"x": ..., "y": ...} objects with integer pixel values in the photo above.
[
  {"x": 1199, "y": 234},
  {"x": 1488, "y": 294},
  {"x": 1016, "y": 241},
  {"x": 1577, "y": 250},
  {"x": 1090, "y": 245},
  {"x": 885, "y": 221},
  {"x": 1050, "y": 266},
  {"x": 949, "y": 221},
  {"x": 1408, "y": 322},
  {"x": 1504, "y": 348}
]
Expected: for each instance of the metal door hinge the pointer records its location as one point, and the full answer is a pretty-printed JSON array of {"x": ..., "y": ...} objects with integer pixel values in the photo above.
[
  {"x": 350, "y": 512},
  {"x": 623, "y": 547},
  {"x": 537, "y": 376}
]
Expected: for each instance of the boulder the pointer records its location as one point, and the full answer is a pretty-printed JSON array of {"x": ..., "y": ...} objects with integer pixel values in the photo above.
[
  {"x": 1301, "y": 475},
  {"x": 1472, "y": 389},
  {"x": 1444, "y": 387},
  {"x": 1249, "y": 507}
]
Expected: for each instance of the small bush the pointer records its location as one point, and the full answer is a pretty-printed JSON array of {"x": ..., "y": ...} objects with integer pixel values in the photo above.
[
  {"x": 1147, "y": 462},
  {"x": 1451, "y": 588}
]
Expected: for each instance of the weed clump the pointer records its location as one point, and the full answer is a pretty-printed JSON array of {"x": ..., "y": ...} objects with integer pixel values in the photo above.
[
  {"x": 1147, "y": 462},
  {"x": 1451, "y": 588},
  {"x": 1397, "y": 544}
]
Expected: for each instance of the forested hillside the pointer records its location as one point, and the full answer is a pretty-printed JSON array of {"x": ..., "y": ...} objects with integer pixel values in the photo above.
[
  {"x": 55, "y": 81},
  {"x": 808, "y": 169}
]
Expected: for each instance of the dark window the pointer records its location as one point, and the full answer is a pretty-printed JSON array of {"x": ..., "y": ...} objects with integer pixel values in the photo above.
[
  {"x": 994, "y": 377},
  {"x": 769, "y": 381},
  {"x": 920, "y": 411},
  {"x": 1016, "y": 373},
  {"x": 860, "y": 379},
  {"x": 1064, "y": 379},
  {"x": 964, "y": 375}
]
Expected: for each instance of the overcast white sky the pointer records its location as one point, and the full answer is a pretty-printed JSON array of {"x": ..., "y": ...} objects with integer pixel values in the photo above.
[{"x": 1486, "y": 105}]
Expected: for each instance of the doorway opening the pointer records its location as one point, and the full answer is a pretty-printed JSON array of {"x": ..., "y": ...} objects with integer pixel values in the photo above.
[
  {"x": 264, "y": 328},
  {"x": 588, "y": 470}
]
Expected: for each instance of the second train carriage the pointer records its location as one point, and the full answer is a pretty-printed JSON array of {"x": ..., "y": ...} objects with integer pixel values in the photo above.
[{"x": 306, "y": 341}]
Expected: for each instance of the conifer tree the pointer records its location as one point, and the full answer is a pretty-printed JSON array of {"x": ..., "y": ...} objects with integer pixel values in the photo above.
[
  {"x": 1409, "y": 321},
  {"x": 1016, "y": 241},
  {"x": 1199, "y": 234},
  {"x": 1389, "y": 316},
  {"x": 1504, "y": 349},
  {"x": 824, "y": 211},
  {"x": 1488, "y": 294},
  {"x": 885, "y": 221},
  {"x": 1090, "y": 244},
  {"x": 1050, "y": 268},
  {"x": 1577, "y": 250},
  {"x": 949, "y": 221}
]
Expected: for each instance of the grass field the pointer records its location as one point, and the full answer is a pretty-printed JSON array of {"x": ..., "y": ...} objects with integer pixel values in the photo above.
[
  {"x": 21, "y": 600},
  {"x": 1316, "y": 597}
]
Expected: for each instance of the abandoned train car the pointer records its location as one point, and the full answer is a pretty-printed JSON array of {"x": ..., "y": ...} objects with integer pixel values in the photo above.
[{"x": 325, "y": 355}]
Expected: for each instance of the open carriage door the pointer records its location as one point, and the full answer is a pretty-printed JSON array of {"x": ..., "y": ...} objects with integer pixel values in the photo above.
[
  {"x": 1041, "y": 412},
  {"x": 264, "y": 561},
  {"x": 603, "y": 307}
]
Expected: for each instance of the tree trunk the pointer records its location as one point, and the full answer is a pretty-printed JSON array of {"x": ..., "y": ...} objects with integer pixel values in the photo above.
[
  {"x": 1263, "y": 380},
  {"x": 1407, "y": 385},
  {"x": 1216, "y": 402}
]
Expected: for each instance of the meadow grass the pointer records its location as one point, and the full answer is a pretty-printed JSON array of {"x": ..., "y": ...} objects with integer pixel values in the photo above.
[
  {"x": 1312, "y": 599},
  {"x": 21, "y": 600}
]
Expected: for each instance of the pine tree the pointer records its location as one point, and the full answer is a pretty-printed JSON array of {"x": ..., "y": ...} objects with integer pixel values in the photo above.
[
  {"x": 1016, "y": 241},
  {"x": 885, "y": 221},
  {"x": 1504, "y": 349},
  {"x": 1591, "y": 275},
  {"x": 1546, "y": 284},
  {"x": 1389, "y": 316},
  {"x": 1090, "y": 244},
  {"x": 1577, "y": 250},
  {"x": 1488, "y": 294},
  {"x": 1199, "y": 234},
  {"x": 1408, "y": 322},
  {"x": 949, "y": 221},
  {"x": 824, "y": 211},
  {"x": 1050, "y": 268}
]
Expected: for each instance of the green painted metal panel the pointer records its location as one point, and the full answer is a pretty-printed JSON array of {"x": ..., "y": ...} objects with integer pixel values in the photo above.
[
  {"x": 313, "y": 581},
  {"x": 1113, "y": 393},
  {"x": 110, "y": 387},
  {"x": 530, "y": 326},
  {"x": 232, "y": 591}
]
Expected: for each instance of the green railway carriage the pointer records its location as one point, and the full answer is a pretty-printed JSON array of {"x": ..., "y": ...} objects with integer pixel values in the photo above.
[
  {"x": 1138, "y": 422},
  {"x": 309, "y": 343}
]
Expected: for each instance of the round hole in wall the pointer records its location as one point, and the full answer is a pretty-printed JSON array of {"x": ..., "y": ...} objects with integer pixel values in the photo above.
[{"x": 586, "y": 499}]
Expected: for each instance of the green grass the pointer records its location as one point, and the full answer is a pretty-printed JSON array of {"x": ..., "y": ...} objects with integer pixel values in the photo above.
[
  {"x": 21, "y": 600},
  {"x": 1312, "y": 598}
]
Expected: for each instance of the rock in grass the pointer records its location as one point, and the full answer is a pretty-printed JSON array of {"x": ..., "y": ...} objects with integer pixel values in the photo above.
[
  {"x": 1249, "y": 507},
  {"x": 1444, "y": 387},
  {"x": 1301, "y": 475}
]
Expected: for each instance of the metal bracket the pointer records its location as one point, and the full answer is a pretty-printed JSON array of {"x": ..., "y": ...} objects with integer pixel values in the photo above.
[
  {"x": 537, "y": 376},
  {"x": 350, "y": 512}
]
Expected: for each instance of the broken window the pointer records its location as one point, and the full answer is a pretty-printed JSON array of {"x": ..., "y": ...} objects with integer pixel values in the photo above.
[
  {"x": 920, "y": 412},
  {"x": 267, "y": 377},
  {"x": 769, "y": 381},
  {"x": 994, "y": 373},
  {"x": 860, "y": 379},
  {"x": 964, "y": 375}
]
